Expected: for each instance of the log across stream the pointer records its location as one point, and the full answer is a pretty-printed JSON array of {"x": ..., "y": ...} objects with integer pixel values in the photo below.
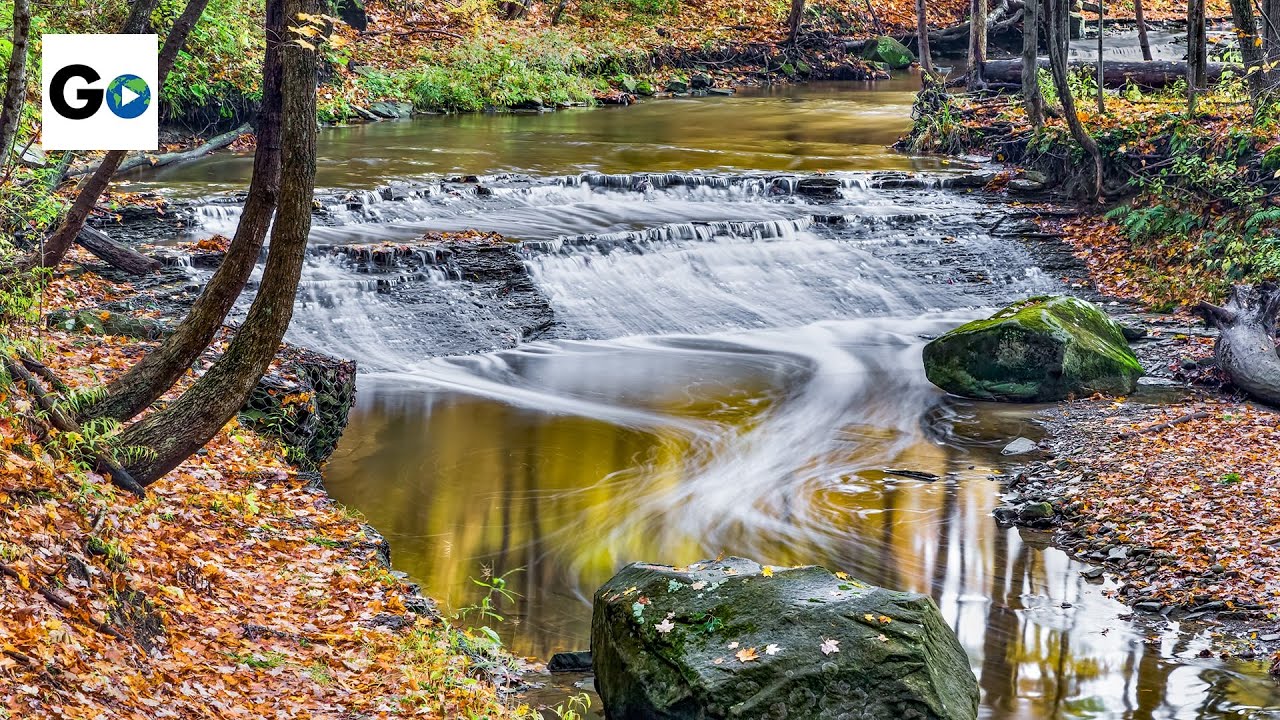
[{"x": 729, "y": 366}]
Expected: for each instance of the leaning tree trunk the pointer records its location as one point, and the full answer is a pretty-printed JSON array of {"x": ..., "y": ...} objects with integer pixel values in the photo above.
[
  {"x": 55, "y": 248},
  {"x": 1059, "y": 24},
  {"x": 1250, "y": 49},
  {"x": 977, "y": 41},
  {"x": 1032, "y": 98},
  {"x": 15, "y": 90},
  {"x": 196, "y": 417},
  {"x": 1246, "y": 348},
  {"x": 922, "y": 35},
  {"x": 1140, "y": 20},
  {"x": 159, "y": 369}
]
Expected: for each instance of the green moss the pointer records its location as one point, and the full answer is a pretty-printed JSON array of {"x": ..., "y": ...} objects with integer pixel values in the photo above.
[{"x": 1037, "y": 350}]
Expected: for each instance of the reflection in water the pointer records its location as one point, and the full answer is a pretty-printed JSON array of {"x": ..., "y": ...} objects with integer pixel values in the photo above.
[
  {"x": 765, "y": 444},
  {"x": 808, "y": 128},
  {"x": 735, "y": 387}
]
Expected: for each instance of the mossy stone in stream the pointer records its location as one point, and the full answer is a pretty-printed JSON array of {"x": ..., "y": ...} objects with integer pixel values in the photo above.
[
  {"x": 1042, "y": 349},
  {"x": 727, "y": 639},
  {"x": 888, "y": 51}
]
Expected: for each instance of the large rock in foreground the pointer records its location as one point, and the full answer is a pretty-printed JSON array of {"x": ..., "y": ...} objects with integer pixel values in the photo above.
[
  {"x": 1039, "y": 350},
  {"x": 729, "y": 639}
]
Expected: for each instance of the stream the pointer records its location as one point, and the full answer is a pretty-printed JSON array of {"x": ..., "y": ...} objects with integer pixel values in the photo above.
[{"x": 732, "y": 368}]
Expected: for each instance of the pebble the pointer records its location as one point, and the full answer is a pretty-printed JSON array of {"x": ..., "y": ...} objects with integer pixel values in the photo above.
[{"x": 1019, "y": 446}]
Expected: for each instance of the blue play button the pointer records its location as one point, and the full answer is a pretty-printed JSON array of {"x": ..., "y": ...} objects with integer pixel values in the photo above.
[{"x": 128, "y": 96}]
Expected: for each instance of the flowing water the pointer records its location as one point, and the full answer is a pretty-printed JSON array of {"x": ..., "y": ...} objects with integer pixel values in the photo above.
[{"x": 732, "y": 369}]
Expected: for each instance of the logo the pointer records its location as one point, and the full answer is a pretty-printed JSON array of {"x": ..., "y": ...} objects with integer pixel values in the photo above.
[{"x": 98, "y": 92}]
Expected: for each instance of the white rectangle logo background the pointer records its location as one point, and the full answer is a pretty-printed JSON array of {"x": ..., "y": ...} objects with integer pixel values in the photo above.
[{"x": 110, "y": 56}]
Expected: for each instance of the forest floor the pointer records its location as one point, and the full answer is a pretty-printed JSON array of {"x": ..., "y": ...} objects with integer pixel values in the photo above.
[
  {"x": 1174, "y": 490},
  {"x": 235, "y": 589}
]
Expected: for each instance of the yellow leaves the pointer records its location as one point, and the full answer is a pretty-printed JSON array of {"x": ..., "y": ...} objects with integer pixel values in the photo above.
[
  {"x": 766, "y": 571},
  {"x": 842, "y": 575},
  {"x": 747, "y": 655}
]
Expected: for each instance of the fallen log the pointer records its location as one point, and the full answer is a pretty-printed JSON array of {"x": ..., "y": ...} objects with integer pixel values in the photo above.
[
  {"x": 1150, "y": 75},
  {"x": 215, "y": 143},
  {"x": 115, "y": 253},
  {"x": 1246, "y": 348}
]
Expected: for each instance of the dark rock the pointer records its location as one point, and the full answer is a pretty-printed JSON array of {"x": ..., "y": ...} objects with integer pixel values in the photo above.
[
  {"x": 700, "y": 81},
  {"x": 305, "y": 403},
  {"x": 721, "y": 639},
  {"x": 102, "y": 321},
  {"x": 1035, "y": 513},
  {"x": 676, "y": 85},
  {"x": 819, "y": 187},
  {"x": 720, "y": 91},
  {"x": 1147, "y": 607},
  {"x": 1133, "y": 333},
  {"x": 970, "y": 180},
  {"x": 579, "y": 661},
  {"x": 1093, "y": 573},
  {"x": 1039, "y": 350}
]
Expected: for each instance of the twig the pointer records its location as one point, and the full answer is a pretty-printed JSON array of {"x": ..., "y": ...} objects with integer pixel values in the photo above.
[
  {"x": 63, "y": 604},
  {"x": 119, "y": 476},
  {"x": 1199, "y": 415}
]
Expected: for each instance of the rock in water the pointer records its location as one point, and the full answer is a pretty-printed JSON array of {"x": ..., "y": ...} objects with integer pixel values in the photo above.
[
  {"x": 888, "y": 51},
  {"x": 1039, "y": 350},
  {"x": 729, "y": 639}
]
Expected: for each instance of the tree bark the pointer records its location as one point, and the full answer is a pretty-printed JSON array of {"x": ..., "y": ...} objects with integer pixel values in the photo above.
[
  {"x": 15, "y": 90},
  {"x": 116, "y": 254},
  {"x": 922, "y": 35},
  {"x": 1140, "y": 19},
  {"x": 793, "y": 20},
  {"x": 55, "y": 248},
  {"x": 977, "y": 41},
  {"x": 1102, "y": 95},
  {"x": 196, "y": 417},
  {"x": 1059, "y": 23},
  {"x": 1246, "y": 348},
  {"x": 1153, "y": 75},
  {"x": 1032, "y": 98},
  {"x": 159, "y": 369},
  {"x": 154, "y": 161},
  {"x": 1195, "y": 41},
  {"x": 1250, "y": 49}
]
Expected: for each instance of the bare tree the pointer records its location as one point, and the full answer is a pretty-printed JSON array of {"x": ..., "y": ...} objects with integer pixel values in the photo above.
[
  {"x": 977, "y": 41},
  {"x": 1102, "y": 96},
  {"x": 1197, "y": 53},
  {"x": 159, "y": 369},
  {"x": 793, "y": 20},
  {"x": 1140, "y": 19},
  {"x": 922, "y": 35},
  {"x": 1032, "y": 98},
  {"x": 15, "y": 90},
  {"x": 199, "y": 413},
  {"x": 1059, "y": 33}
]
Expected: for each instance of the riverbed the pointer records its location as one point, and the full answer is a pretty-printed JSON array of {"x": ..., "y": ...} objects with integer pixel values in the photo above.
[{"x": 732, "y": 368}]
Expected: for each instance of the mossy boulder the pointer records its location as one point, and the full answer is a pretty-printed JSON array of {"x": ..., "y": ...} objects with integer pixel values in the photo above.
[
  {"x": 888, "y": 51},
  {"x": 304, "y": 401},
  {"x": 1042, "y": 349},
  {"x": 728, "y": 639}
]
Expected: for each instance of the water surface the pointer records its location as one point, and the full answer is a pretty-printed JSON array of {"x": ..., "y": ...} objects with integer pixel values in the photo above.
[{"x": 730, "y": 373}]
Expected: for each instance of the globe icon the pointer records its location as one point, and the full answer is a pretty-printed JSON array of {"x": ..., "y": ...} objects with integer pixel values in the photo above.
[{"x": 128, "y": 96}]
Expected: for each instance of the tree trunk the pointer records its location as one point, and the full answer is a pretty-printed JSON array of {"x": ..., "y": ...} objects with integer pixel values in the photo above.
[
  {"x": 1250, "y": 49},
  {"x": 196, "y": 417},
  {"x": 793, "y": 20},
  {"x": 559, "y": 12},
  {"x": 93, "y": 186},
  {"x": 15, "y": 90},
  {"x": 1195, "y": 40},
  {"x": 922, "y": 35},
  {"x": 1152, "y": 75},
  {"x": 154, "y": 161},
  {"x": 116, "y": 254},
  {"x": 1102, "y": 96},
  {"x": 159, "y": 369},
  {"x": 1059, "y": 24},
  {"x": 1246, "y": 348},
  {"x": 1032, "y": 98},
  {"x": 977, "y": 41},
  {"x": 1141, "y": 21}
]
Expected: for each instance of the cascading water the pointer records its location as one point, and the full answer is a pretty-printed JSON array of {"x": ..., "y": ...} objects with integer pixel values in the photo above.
[{"x": 728, "y": 360}]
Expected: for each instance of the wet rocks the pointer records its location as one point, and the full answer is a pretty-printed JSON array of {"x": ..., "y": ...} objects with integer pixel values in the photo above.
[
  {"x": 578, "y": 661},
  {"x": 888, "y": 51},
  {"x": 1019, "y": 446},
  {"x": 729, "y": 638},
  {"x": 821, "y": 188},
  {"x": 1039, "y": 350}
]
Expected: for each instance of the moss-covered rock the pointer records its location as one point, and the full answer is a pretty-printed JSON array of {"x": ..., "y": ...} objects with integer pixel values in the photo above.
[
  {"x": 726, "y": 639},
  {"x": 1039, "y": 350},
  {"x": 888, "y": 51},
  {"x": 304, "y": 402}
]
